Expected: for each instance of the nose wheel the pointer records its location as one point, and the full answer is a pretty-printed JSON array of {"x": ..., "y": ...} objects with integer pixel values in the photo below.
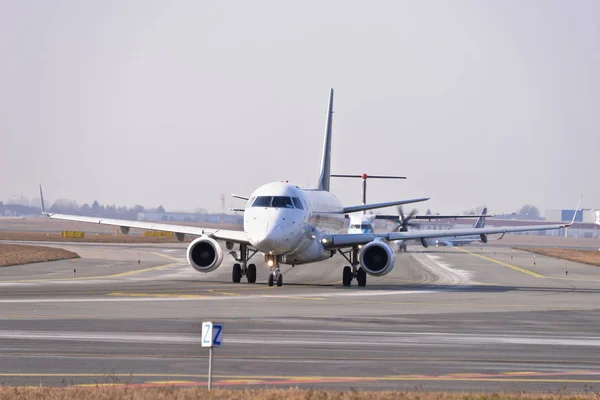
[{"x": 275, "y": 277}]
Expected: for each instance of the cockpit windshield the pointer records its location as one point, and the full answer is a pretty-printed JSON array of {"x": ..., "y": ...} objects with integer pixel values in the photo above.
[
  {"x": 262, "y": 201},
  {"x": 277, "y": 202},
  {"x": 282, "y": 202}
]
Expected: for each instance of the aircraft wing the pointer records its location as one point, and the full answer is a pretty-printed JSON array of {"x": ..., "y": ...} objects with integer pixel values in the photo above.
[
  {"x": 432, "y": 217},
  {"x": 221, "y": 234},
  {"x": 347, "y": 240}
]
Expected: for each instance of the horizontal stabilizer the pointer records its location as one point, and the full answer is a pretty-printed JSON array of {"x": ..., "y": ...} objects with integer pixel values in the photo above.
[
  {"x": 365, "y": 176},
  {"x": 237, "y": 196},
  {"x": 374, "y": 206}
]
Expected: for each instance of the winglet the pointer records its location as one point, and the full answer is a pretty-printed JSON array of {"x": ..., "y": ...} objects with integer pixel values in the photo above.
[
  {"x": 42, "y": 201},
  {"x": 576, "y": 211}
]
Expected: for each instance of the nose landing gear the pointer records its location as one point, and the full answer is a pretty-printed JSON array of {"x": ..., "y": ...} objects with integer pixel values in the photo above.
[
  {"x": 349, "y": 273},
  {"x": 275, "y": 277},
  {"x": 242, "y": 267}
]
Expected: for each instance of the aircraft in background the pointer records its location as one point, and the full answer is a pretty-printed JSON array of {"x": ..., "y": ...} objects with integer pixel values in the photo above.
[
  {"x": 404, "y": 223},
  {"x": 480, "y": 223},
  {"x": 293, "y": 225},
  {"x": 363, "y": 222}
]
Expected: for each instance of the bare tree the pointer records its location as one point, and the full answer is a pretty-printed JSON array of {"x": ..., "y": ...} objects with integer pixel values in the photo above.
[{"x": 529, "y": 210}]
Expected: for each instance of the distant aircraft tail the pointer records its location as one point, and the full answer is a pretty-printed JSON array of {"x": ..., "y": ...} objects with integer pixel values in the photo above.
[
  {"x": 481, "y": 220},
  {"x": 325, "y": 173}
]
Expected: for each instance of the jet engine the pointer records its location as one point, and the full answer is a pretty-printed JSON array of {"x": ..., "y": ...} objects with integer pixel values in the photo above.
[
  {"x": 483, "y": 238},
  {"x": 377, "y": 258},
  {"x": 205, "y": 254}
]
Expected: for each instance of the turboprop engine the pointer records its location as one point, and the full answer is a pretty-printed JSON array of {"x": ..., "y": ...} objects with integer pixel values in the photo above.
[
  {"x": 377, "y": 258},
  {"x": 205, "y": 254}
]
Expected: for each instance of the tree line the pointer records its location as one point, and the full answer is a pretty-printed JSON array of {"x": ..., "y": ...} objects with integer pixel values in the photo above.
[
  {"x": 528, "y": 211},
  {"x": 65, "y": 206}
]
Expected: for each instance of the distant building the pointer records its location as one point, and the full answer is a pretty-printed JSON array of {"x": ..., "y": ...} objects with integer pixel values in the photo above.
[{"x": 589, "y": 216}]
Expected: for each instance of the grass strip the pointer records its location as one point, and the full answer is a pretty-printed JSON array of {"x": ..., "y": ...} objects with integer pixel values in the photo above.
[
  {"x": 16, "y": 254},
  {"x": 102, "y": 392},
  {"x": 590, "y": 257}
]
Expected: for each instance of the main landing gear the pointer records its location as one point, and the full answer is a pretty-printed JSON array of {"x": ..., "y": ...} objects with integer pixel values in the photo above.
[
  {"x": 241, "y": 267},
  {"x": 275, "y": 276},
  {"x": 350, "y": 273}
]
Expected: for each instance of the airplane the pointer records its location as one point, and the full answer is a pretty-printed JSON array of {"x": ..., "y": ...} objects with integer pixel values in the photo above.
[
  {"x": 293, "y": 225},
  {"x": 404, "y": 223},
  {"x": 363, "y": 223},
  {"x": 480, "y": 223}
]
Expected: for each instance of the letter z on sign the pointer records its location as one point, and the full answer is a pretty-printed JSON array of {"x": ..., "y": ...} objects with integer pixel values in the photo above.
[{"x": 212, "y": 334}]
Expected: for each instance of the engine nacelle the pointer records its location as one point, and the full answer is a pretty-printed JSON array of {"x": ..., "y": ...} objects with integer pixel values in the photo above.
[
  {"x": 205, "y": 254},
  {"x": 377, "y": 258},
  {"x": 483, "y": 238}
]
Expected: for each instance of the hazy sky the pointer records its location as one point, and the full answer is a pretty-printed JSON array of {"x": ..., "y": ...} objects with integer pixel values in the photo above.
[{"x": 177, "y": 102}]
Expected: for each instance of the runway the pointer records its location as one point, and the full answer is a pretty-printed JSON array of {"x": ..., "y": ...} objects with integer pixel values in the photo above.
[{"x": 474, "y": 318}]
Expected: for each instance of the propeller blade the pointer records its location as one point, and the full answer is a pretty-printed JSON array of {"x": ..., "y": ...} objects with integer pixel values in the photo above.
[{"x": 401, "y": 213}]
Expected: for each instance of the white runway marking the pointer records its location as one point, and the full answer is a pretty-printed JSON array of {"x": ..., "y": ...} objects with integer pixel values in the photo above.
[
  {"x": 310, "y": 337},
  {"x": 192, "y": 297},
  {"x": 444, "y": 271}
]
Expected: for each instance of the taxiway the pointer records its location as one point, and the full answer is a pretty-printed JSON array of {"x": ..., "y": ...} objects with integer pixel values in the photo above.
[{"x": 474, "y": 318}]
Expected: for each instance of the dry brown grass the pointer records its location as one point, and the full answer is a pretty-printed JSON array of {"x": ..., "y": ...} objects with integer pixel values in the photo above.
[
  {"x": 106, "y": 393},
  {"x": 16, "y": 254},
  {"x": 591, "y": 257}
]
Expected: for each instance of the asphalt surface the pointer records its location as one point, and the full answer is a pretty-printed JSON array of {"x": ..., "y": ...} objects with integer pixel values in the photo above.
[{"x": 474, "y": 318}]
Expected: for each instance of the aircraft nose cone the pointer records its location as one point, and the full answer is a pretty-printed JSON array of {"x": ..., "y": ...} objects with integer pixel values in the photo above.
[{"x": 274, "y": 238}]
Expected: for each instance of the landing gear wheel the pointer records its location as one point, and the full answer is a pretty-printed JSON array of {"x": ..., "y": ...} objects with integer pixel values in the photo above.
[
  {"x": 347, "y": 276},
  {"x": 361, "y": 277},
  {"x": 236, "y": 273},
  {"x": 270, "y": 281},
  {"x": 251, "y": 273},
  {"x": 279, "y": 280}
]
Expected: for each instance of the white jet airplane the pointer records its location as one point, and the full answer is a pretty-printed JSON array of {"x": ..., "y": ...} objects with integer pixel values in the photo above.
[{"x": 293, "y": 225}]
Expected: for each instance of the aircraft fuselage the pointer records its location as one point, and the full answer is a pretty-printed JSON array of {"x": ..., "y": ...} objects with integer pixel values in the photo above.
[{"x": 285, "y": 220}]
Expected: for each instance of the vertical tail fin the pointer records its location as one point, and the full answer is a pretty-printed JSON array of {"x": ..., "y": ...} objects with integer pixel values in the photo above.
[
  {"x": 481, "y": 220},
  {"x": 42, "y": 201},
  {"x": 325, "y": 174}
]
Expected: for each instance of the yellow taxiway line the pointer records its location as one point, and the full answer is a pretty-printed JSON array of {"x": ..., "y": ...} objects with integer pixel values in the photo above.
[
  {"x": 514, "y": 267},
  {"x": 119, "y": 275}
]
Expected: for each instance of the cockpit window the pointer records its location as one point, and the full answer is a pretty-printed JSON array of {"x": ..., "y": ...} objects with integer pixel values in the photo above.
[
  {"x": 282, "y": 202},
  {"x": 262, "y": 201},
  {"x": 361, "y": 226},
  {"x": 298, "y": 203}
]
